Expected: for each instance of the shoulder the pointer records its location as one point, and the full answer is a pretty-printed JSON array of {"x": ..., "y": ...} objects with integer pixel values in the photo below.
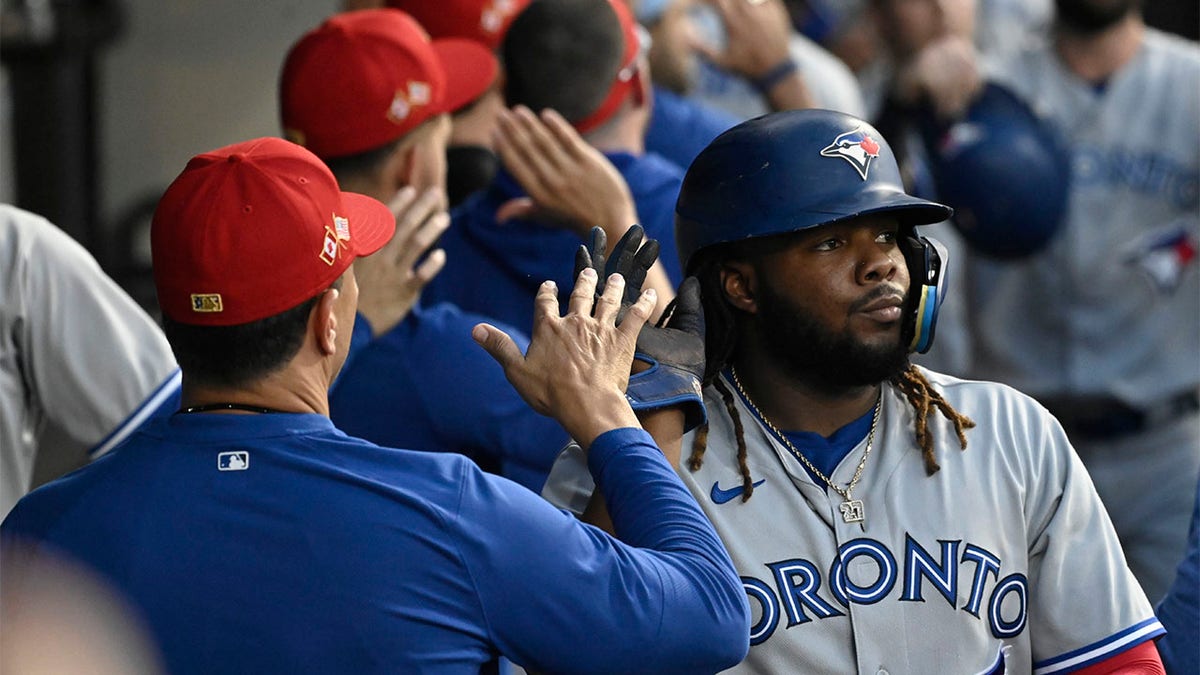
[
  {"x": 23, "y": 234},
  {"x": 977, "y": 392},
  {"x": 1172, "y": 55},
  {"x": 1173, "y": 44},
  {"x": 1012, "y": 429},
  {"x": 1013, "y": 67},
  {"x": 648, "y": 173},
  {"x": 984, "y": 395},
  {"x": 1002, "y": 414}
]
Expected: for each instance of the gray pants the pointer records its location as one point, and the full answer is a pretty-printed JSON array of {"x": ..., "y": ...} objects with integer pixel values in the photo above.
[{"x": 1147, "y": 482}]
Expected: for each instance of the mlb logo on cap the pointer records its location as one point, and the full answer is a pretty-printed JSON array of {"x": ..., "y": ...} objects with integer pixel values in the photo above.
[{"x": 206, "y": 302}]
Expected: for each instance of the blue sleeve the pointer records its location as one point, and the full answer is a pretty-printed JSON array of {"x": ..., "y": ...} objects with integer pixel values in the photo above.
[
  {"x": 472, "y": 404},
  {"x": 561, "y": 596},
  {"x": 1179, "y": 611}
]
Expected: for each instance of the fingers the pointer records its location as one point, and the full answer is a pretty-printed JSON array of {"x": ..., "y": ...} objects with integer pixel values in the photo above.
[
  {"x": 430, "y": 267},
  {"x": 582, "y": 260},
  {"x": 527, "y": 167},
  {"x": 610, "y": 300},
  {"x": 581, "y": 296},
  {"x": 642, "y": 262},
  {"x": 623, "y": 253},
  {"x": 420, "y": 220},
  {"x": 599, "y": 250},
  {"x": 564, "y": 134},
  {"x": 639, "y": 312},
  {"x": 501, "y": 347},
  {"x": 425, "y": 236},
  {"x": 529, "y": 150},
  {"x": 688, "y": 315},
  {"x": 520, "y": 208}
]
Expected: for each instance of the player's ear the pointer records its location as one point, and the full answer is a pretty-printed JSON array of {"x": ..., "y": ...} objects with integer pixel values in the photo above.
[
  {"x": 739, "y": 282},
  {"x": 323, "y": 322}
]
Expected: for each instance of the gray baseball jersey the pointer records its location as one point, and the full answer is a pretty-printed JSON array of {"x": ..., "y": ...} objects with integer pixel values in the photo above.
[
  {"x": 1113, "y": 304},
  {"x": 74, "y": 348},
  {"x": 1004, "y": 558},
  {"x": 1112, "y": 307}
]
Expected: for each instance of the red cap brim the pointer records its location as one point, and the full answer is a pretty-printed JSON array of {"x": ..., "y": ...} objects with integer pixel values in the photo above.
[
  {"x": 470, "y": 69},
  {"x": 371, "y": 223}
]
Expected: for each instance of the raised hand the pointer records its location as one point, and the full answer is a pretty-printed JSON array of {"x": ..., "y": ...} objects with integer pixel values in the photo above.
[
  {"x": 390, "y": 281},
  {"x": 757, "y": 33},
  {"x": 570, "y": 184},
  {"x": 577, "y": 366},
  {"x": 630, "y": 258},
  {"x": 946, "y": 74}
]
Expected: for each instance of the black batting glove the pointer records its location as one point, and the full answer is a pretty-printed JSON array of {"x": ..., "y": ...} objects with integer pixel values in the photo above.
[
  {"x": 630, "y": 258},
  {"x": 675, "y": 351}
]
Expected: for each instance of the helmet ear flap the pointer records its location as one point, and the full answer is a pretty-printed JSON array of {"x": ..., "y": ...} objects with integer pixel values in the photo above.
[{"x": 927, "y": 261}]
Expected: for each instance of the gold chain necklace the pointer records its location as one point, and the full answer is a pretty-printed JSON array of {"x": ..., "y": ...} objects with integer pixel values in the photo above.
[{"x": 851, "y": 508}]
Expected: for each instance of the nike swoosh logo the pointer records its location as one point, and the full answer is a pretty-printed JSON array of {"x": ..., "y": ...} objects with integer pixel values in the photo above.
[{"x": 720, "y": 496}]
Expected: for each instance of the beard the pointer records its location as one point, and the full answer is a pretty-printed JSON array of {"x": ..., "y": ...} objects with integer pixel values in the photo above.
[
  {"x": 811, "y": 353},
  {"x": 1088, "y": 17}
]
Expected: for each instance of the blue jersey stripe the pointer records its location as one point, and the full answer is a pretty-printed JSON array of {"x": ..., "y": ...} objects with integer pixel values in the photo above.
[
  {"x": 1098, "y": 651},
  {"x": 165, "y": 391}
]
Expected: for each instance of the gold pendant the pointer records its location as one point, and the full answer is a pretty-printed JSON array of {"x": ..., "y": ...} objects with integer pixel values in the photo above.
[{"x": 852, "y": 511}]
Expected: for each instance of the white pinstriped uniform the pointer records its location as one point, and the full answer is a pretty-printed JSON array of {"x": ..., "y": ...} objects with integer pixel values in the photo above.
[{"x": 1004, "y": 555}]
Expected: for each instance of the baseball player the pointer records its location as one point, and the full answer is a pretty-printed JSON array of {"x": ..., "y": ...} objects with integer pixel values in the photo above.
[
  {"x": 884, "y": 518},
  {"x": 254, "y": 536},
  {"x": 471, "y": 160},
  {"x": 418, "y": 382},
  {"x": 582, "y": 59},
  {"x": 75, "y": 350},
  {"x": 1103, "y": 325}
]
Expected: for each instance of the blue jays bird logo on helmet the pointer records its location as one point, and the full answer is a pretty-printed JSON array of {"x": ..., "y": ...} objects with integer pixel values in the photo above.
[{"x": 856, "y": 147}]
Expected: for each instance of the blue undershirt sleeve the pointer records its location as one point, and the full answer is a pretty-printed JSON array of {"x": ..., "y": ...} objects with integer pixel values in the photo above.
[{"x": 563, "y": 596}]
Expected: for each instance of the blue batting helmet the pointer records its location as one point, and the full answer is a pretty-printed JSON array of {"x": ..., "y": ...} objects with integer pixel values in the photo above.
[
  {"x": 794, "y": 170},
  {"x": 1005, "y": 172},
  {"x": 791, "y": 171}
]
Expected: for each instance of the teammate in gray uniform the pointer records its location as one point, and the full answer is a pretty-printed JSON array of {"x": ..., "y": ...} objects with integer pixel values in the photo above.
[
  {"x": 1103, "y": 326},
  {"x": 75, "y": 349},
  {"x": 883, "y": 517}
]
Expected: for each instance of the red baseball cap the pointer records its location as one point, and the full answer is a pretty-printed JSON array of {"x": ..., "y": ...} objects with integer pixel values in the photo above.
[
  {"x": 484, "y": 21},
  {"x": 627, "y": 80},
  {"x": 363, "y": 79},
  {"x": 252, "y": 229}
]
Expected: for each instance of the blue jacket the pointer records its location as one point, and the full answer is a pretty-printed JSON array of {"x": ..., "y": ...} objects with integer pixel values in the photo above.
[
  {"x": 274, "y": 543},
  {"x": 681, "y": 127}
]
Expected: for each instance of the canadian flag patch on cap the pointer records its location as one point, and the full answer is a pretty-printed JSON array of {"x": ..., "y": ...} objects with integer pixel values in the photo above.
[{"x": 329, "y": 248}]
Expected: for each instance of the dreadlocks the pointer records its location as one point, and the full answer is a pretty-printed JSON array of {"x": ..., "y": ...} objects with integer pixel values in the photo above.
[
  {"x": 721, "y": 341},
  {"x": 922, "y": 396}
]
